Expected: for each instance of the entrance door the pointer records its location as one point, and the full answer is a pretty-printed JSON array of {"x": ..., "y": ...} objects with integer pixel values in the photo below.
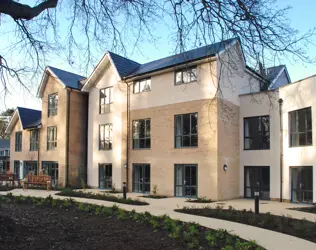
[
  {"x": 105, "y": 176},
  {"x": 257, "y": 179},
  {"x": 186, "y": 180},
  {"x": 141, "y": 178},
  {"x": 30, "y": 167},
  {"x": 17, "y": 169},
  {"x": 302, "y": 184},
  {"x": 51, "y": 168}
]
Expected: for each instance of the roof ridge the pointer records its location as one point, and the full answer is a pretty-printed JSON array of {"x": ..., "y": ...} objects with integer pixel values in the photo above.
[{"x": 18, "y": 107}]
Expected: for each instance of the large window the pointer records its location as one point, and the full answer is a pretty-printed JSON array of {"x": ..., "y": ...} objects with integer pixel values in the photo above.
[
  {"x": 185, "y": 75},
  {"x": 18, "y": 141},
  {"x": 141, "y": 134},
  {"x": 52, "y": 104},
  {"x": 105, "y": 175},
  {"x": 186, "y": 130},
  {"x": 143, "y": 85},
  {"x": 34, "y": 140},
  {"x": 301, "y": 127},
  {"x": 257, "y": 133},
  {"x": 51, "y": 138},
  {"x": 106, "y": 98},
  {"x": 105, "y": 138}
]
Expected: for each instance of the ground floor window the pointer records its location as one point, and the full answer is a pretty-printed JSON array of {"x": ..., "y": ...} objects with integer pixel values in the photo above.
[
  {"x": 105, "y": 175},
  {"x": 186, "y": 181},
  {"x": 51, "y": 168},
  {"x": 257, "y": 179},
  {"x": 17, "y": 169},
  {"x": 302, "y": 184},
  {"x": 30, "y": 167},
  {"x": 141, "y": 178}
]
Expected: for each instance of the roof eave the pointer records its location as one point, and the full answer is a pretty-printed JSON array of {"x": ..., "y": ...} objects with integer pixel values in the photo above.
[{"x": 15, "y": 117}]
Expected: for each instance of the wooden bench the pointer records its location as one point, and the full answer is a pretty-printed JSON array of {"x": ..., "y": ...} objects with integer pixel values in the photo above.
[
  {"x": 37, "y": 180},
  {"x": 7, "y": 178}
]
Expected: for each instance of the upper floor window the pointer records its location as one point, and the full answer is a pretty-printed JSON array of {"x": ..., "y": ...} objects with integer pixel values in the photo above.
[
  {"x": 301, "y": 127},
  {"x": 143, "y": 85},
  {"x": 34, "y": 140},
  {"x": 51, "y": 138},
  {"x": 141, "y": 134},
  {"x": 257, "y": 133},
  {"x": 106, "y": 98},
  {"x": 186, "y": 130},
  {"x": 18, "y": 141},
  {"x": 105, "y": 138},
  {"x": 2, "y": 152},
  {"x": 185, "y": 75},
  {"x": 52, "y": 104}
]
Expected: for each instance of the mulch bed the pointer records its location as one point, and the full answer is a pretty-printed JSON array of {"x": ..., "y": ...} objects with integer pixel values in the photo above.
[
  {"x": 154, "y": 196},
  {"x": 300, "y": 228},
  {"x": 311, "y": 210},
  {"x": 31, "y": 227},
  {"x": 199, "y": 201}
]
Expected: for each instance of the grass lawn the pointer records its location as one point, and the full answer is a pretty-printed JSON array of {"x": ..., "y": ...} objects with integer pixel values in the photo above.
[
  {"x": 38, "y": 223},
  {"x": 300, "y": 228}
]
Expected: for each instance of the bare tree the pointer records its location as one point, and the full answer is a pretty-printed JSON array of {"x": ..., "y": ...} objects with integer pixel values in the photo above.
[{"x": 85, "y": 29}]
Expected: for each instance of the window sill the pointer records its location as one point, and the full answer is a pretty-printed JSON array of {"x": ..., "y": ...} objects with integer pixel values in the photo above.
[
  {"x": 142, "y": 92},
  {"x": 141, "y": 149},
  {"x": 302, "y": 146},
  {"x": 259, "y": 149},
  {"x": 105, "y": 149},
  {"x": 179, "y": 84},
  {"x": 186, "y": 147}
]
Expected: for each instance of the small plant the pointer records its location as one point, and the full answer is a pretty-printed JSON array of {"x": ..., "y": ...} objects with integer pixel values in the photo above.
[
  {"x": 83, "y": 184},
  {"x": 113, "y": 189},
  {"x": 210, "y": 238},
  {"x": 155, "y": 190},
  {"x": 121, "y": 214}
]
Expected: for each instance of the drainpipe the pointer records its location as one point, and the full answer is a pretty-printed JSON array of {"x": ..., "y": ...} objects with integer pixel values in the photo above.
[
  {"x": 86, "y": 142},
  {"x": 38, "y": 149},
  {"x": 128, "y": 128},
  {"x": 281, "y": 150},
  {"x": 67, "y": 137}
]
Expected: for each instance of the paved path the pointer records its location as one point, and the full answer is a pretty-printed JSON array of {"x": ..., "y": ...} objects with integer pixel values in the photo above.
[{"x": 269, "y": 239}]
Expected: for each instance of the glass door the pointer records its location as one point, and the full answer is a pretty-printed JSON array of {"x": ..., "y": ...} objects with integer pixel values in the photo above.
[
  {"x": 105, "y": 176},
  {"x": 257, "y": 179},
  {"x": 51, "y": 168},
  {"x": 30, "y": 167},
  {"x": 186, "y": 180},
  {"x": 302, "y": 184},
  {"x": 17, "y": 169},
  {"x": 141, "y": 178}
]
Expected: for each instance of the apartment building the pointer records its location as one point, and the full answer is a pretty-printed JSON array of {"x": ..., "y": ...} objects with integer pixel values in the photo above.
[
  {"x": 178, "y": 118},
  {"x": 52, "y": 141},
  {"x": 278, "y": 149}
]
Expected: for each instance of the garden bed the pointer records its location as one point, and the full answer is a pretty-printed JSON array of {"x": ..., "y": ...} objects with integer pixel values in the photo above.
[
  {"x": 300, "y": 228},
  {"x": 200, "y": 200},
  {"x": 311, "y": 210},
  {"x": 66, "y": 224},
  {"x": 154, "y": 196},
  {"x": 97, "y": 196}
]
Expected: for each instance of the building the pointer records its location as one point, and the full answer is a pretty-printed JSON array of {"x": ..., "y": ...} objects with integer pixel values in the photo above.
[
  {"x": 52, "y": 141},
  {"x": 278, "y": 150},
  {"x": 183, "y": 133},
  {"x": 4, "y": 155}
]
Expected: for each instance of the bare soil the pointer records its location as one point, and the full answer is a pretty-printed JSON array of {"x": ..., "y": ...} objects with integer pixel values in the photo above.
[{"x": 32, "y": 227}]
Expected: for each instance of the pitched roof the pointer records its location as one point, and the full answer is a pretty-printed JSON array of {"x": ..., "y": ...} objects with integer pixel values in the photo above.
[
  {"x": 123, "y": 65},
  {"x": 71, "y": 80},
  {"x": 273, "y": 72},
  {"x": 29, "y": 117},
  {"x": 128, "y": 68},
  {"x": 4, "y": 144}
]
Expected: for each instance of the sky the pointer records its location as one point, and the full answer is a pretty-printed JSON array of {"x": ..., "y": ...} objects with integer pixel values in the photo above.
[{"x": 302, "y": 17}]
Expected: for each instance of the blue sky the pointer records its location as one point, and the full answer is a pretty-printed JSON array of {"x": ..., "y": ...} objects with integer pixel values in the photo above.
[{"x": 302, "y": 17}]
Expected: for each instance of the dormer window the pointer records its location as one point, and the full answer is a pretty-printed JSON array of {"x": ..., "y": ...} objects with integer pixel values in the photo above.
[
  {"x": 143, "y": 85},
  {"x": 185, "y": 75}
]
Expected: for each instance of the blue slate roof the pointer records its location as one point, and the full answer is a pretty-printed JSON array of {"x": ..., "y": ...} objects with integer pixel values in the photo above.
[
  {"x": 272, "y": 72},
  {"x": 4, "y": 144},
  {"x": 123, "y": 65},
  {"x": 128, "y": 68},
  {"x": 71, "y": 80},
  {"x": 29, "y": 117}
]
